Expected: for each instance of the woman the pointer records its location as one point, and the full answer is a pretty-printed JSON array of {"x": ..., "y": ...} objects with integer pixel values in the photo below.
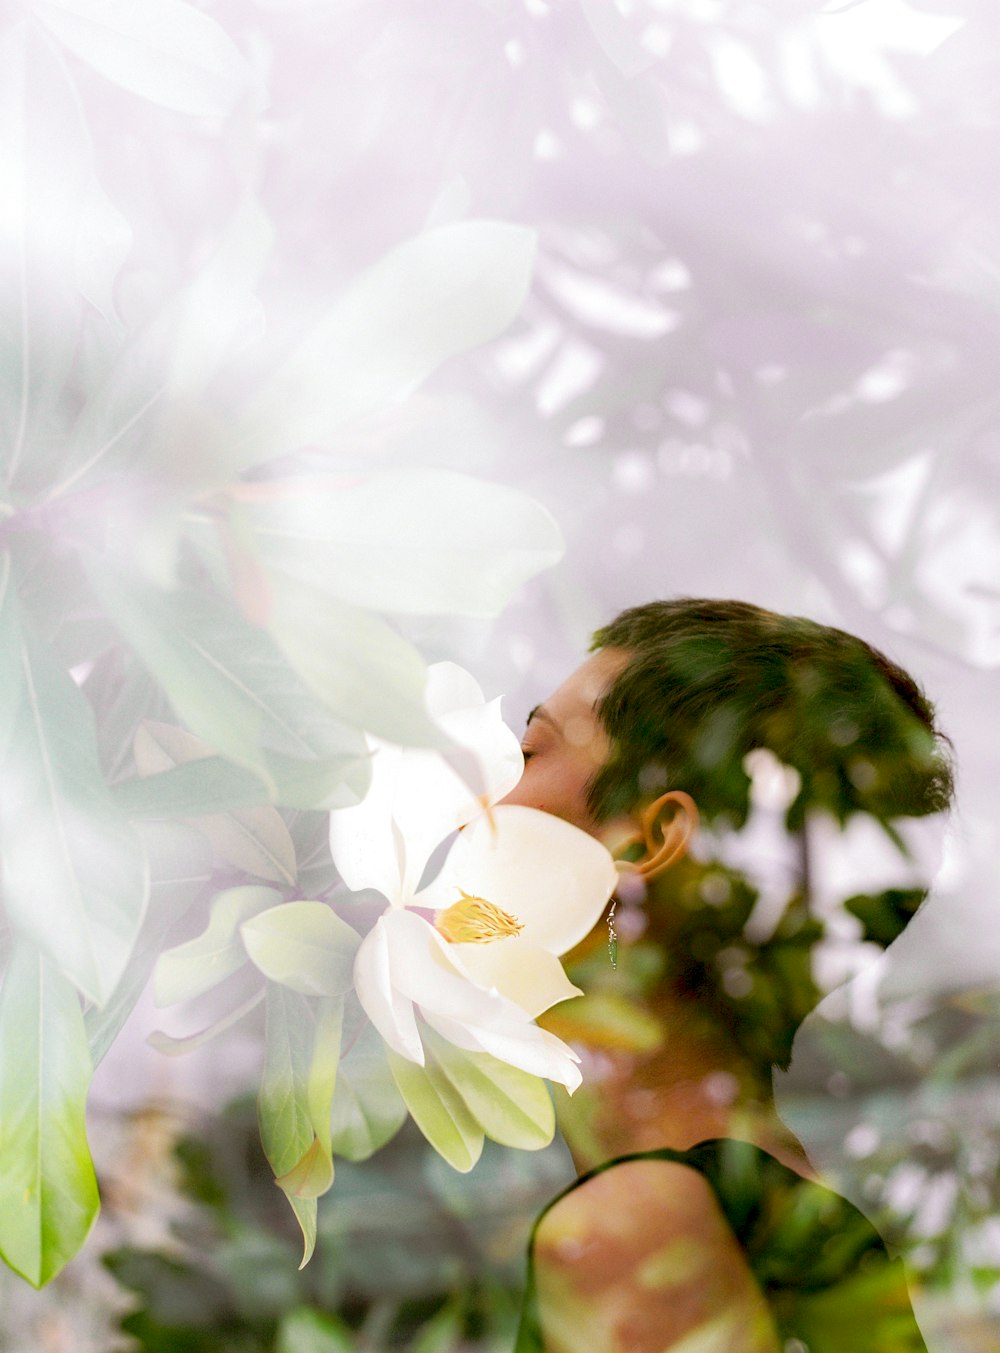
[{"x": 697, "y": 1226}]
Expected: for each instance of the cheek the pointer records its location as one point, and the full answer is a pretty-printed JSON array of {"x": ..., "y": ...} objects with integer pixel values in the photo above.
[
  {"x": 531, "y": 789},
  {"x": 556, "y": 789}
]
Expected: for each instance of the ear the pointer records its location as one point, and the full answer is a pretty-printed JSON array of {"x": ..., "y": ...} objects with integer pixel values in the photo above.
[{"x": 664, "y": 842}]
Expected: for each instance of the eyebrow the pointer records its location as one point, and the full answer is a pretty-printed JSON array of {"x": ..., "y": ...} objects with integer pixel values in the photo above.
[{"x": 540, "y": 712}]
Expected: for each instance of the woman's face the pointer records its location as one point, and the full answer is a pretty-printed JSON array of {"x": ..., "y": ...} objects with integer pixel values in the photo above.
[{"x": 565, "y": 744}]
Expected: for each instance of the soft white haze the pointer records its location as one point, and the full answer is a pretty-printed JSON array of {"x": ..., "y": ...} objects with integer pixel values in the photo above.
[{"x": 757, "y": 356}]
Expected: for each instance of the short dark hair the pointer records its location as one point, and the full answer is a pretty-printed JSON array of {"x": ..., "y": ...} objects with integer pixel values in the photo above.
[{"x": 708, "y": 681}]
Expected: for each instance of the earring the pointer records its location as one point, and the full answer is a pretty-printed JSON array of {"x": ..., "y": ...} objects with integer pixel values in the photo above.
[{"x": 612, "y": 936}]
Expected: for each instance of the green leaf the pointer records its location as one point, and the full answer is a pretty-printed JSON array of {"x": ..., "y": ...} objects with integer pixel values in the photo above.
[
  {"x": 408, "y": 541},
  {"x": 296, "y": 1092},
  {"x": 205, "y": 321},
  {"x": 607, "y": 1019},
  {"x": 192, "y": 789},
  {"x": 172, "y": 634},
  {"x": 512, "y": 1107},
  {"x": 48, "y": 180},
  {"x": 253, "y": 839},
  {"x": 309, "y": 1177},
  {"x": 364, "y": 671},
  {"x": 367, "y": 1108},
  {"x": 226, "y": 680},
  {"x": 304, "y": 1330},
  {"x": 48, "y": 1192},
  {"x": 884, "y": 915},
  {"x": 305, "y": 946},
  {"x": 324, "y": 783},
  {"x": 181, "y": 870},
  {"x": 214, "y": 785},
  {"x": 439, "y": 294},
  {"x": 144, "y": 404},
  {"x": 438, "y": 1110},
  {"x": 192, "y": 968},
  {"x": 171, "y": 1046},
  {"x": 311, "y": 833},
  {"x": 306, "y": 1212},
  {"x": 75, "y": 873},
  {"x": 444, "y": 1331},
  {"x": 121, "y": 693}
]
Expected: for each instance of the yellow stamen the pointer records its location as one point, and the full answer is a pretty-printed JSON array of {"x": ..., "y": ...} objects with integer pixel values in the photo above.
[{"x": 473, "y": 920}]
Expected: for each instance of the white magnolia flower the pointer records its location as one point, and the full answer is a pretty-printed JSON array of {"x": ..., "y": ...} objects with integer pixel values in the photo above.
[
  {"x": 416, "y": 799},
  {"x": 476, "y": 952},
  {"x": 514, "y": 893}
]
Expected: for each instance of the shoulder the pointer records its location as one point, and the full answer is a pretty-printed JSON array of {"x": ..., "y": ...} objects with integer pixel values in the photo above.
[
  {"x": 639, "y": 1256},
  {"x": 650, "y": 1249}
]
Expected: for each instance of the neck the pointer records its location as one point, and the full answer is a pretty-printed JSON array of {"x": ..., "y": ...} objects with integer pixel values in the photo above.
[{"x": 693, "y": 1086}]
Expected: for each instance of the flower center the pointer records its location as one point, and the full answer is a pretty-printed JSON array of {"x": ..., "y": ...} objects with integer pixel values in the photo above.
[{"x": 473, "y": 920}]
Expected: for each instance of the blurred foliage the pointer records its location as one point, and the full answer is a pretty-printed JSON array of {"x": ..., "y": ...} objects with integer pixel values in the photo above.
[
  {"x": 694, "y": 946},
  {"x": 908, "y": 1130},
  {"x": 413, "y": 1256}
]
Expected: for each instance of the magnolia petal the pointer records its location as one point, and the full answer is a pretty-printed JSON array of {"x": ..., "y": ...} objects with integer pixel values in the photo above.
[
  {"x": 432, "y": 798},
  {"x": 449, "y": 289},
  {"x": 455, "y": 701},
  {"x": 421, "y": 792},
  {"x": 451, "y": 688},
  {"x": 391, "y": 1013},
  {"x": 433, "y": 801},
  {"x": 190, "y": 969},
  {"x": 529, "y": 1048},
  {"x": 553, "y": 877},
  {"x": 404, "y": 962},
  {"x": 496, "y": 746},
  {"x": 470, "y": 1016},
  {"x": 525, "y": 973},
  {"x": 362, "y": 841},
  {"x": 422, "y": 970}
]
